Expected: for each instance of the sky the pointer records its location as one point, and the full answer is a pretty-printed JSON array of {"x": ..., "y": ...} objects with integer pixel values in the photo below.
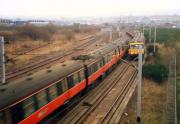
[{"x": 86, "y": 8}]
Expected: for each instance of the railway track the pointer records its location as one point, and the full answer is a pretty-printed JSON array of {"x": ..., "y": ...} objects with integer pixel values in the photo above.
[
  {"x": 49, "y": 61},
  {"x": 100, "y": 102},
  {"x": 39, "y": 47},
  {"x": 115, "y": 111}
]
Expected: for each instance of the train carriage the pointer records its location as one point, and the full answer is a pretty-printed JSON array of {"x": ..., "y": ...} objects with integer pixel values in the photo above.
[
  {"x": 38, "y": 100},
  {"x": 33, "y": 98}
]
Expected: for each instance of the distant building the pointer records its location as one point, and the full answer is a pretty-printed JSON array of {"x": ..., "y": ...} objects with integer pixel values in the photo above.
[
  {"x": 174, "y": 26},
  {"x": 19, "y": 22},
  {"x": 6, "y": 22},
  {"x": 77, "y": 26},
  {"x": 38, "y": 22}
]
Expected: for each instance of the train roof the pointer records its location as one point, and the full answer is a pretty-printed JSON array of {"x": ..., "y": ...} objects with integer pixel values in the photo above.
[
  {"x": 97, "y": 53},
  {"x": 22, "y": 87},
  {"x": 103, "y": 50}
]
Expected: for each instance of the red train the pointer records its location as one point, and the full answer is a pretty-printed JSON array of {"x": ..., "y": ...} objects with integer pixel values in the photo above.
[{"x": 30, "y": 99}]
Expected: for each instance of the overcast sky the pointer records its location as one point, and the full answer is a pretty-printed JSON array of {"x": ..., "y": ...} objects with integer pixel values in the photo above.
[{"x": 73, "y": 8}]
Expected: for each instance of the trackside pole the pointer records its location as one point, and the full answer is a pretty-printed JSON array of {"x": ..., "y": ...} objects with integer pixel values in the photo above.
[
  {"x": 139, "y": 85},
  {"x": 110, "y": 36},
  {"x": 175, "y": 88},
  {"x": 149, "y": 34},
  {"x": 154, "y": 39},
  {"x": 2, "y": 61}
]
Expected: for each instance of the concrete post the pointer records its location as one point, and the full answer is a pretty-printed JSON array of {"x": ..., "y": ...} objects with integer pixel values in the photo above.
[
  {"x": 2, "y": 60},
  {"x": 139, "y": 85},
  {"x": 154, "y": 39}
]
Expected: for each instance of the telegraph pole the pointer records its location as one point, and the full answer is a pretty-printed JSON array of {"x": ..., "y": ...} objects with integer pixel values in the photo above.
[
  {"x": 118, "y": 30},
  {"x": 171, "y": 110},
  {"x": 2, "y": 61},
  {"x": 175, "y": 88},
  {"x": 139, "y": 86},
  {"x": 143, "y": 29},
  {"x": 154, "y": 39},
  {"x": 150, "y": 34},
  {"x": 110, "y": 38}
]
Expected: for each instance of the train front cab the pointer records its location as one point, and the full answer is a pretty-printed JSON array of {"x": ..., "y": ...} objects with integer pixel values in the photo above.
[{"x": 134, "y": 49}]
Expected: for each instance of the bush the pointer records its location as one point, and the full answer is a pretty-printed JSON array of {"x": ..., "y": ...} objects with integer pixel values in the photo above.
[
  {"x": 8, "y": 36},
  {"x": 35, "y": 33},
  {"x": 18, "y": 33},
  {"x": 150, "y": 49},
  {"x": 157, "y": 72},
  {"x": 51, "y": 28},
  {"x": 69, "y": 35}
]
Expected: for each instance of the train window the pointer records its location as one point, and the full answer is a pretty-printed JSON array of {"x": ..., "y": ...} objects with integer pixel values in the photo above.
[
  {"x": 109, "y": 57},
  {"x": 28, "y": 106},
  {"x": 95, "y": 66},
  {"x": 81, "y": 75},
  {"x": 70, "y": 81},
  {"x": 75, "y": 78},
  {"x": 8, "y": 117},
  {"x": 106, "y": 59},
  {"x": 64, "y": 85},
  {"x": 101, "y": 63},
  {"x": 59, "y": 88},
  {"x": 117, "y": 52},
  {"x": 2, "y": 118},
  {"x": 53, "y": 92},
  {"x": 5, "y": 117},
  {"x": 42, "y": 98},
  {"x": 114, "y": 52},
  {"x": 90, "y": 70}
]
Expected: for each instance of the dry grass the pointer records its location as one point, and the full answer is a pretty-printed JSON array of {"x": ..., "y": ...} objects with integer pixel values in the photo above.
[
  {"x": 153, "y": 99},
  {"x": 153, "y": 102},
  {"x": 106, "y": 36},
  {"x": 166, "y": 54},
  {"x": 59, "y": 43},
  {"x": 20, "y": 47}
]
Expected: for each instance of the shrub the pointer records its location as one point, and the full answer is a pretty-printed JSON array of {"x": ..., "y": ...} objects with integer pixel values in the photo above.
[
  {"x": 35, "y": 33},
  {"x": 51, "y": 28},
  {"x": 69, "y": 35},
  {"x": 8, "y": 36},
  {"x": 157, "y": 72},
  {"x": 150, "y": 49},
  {"x": 18, "y": 33}
]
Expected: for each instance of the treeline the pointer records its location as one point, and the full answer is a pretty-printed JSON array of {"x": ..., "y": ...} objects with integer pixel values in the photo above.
[
  {"x": 164, "y": 35},
  {"x": 27, "y": 32},
  {"x": 34, "y": 33}
]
